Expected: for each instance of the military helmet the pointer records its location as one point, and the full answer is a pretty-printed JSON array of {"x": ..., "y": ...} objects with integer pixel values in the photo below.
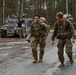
[{"x": 43, "y": 19}]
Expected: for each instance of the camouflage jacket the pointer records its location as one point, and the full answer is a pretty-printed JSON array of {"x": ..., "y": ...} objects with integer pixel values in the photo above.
[
  {"x": 38, "y": 29},
  {"x": 62, "y": 30}
]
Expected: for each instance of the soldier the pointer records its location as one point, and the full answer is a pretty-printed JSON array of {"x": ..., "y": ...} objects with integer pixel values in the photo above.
[
  {"x": 38, "y": 34},
  {"x": 43, "y": 20},
  {"x": 63, "y": 31},
  {"x": 19, "y": 28}
]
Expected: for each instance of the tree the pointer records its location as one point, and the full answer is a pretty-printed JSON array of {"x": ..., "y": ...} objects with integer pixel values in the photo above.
[
  {"x": 10, "y": 7},
  {"x": 51, "y": 11},
  {"x": 32, "y": 7},
  {"x": 54, "y": 6},
  {"x": 1, "y": 7}
]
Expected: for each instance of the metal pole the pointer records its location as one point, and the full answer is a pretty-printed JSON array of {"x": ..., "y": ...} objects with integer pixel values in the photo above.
[
  {"x": 3, "y": 10},
  {"x": 66, "y": 6}
]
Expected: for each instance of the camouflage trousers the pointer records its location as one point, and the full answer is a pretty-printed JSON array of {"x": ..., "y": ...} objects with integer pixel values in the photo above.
[
  {"x": 19, "y": 32},
  {"x": 35, "y": 42},
  {"x": 61, "y": 45}
]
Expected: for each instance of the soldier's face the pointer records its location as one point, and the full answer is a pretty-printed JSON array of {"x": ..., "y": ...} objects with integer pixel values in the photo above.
[
  {"x": 37, "y": 19},
  {"x": 58, "y": 18}
]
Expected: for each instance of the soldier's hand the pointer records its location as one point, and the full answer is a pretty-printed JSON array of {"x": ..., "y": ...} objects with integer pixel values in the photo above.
[
  {"x": 73, "y": 40},
  {"x": 28, "y": 40},
  {"x": 52, "y": 42}
]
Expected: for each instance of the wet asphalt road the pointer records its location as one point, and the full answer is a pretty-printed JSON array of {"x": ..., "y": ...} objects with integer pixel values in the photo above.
[
  {"x": 16, "y": 59},
  {"x": 14, "y": 54}
]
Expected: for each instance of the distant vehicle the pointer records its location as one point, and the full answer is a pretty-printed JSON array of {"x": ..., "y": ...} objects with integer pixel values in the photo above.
[{"x": 10, "y": 27}]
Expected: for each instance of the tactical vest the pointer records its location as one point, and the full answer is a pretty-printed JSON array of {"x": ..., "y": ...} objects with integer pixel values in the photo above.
[
  {"x": 38, "y": 30},
  {"x": 63, "y": 30}
]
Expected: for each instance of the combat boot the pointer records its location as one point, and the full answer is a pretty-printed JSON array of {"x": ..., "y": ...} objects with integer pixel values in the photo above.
[
  {"x": 40, "y": 60},
  {"x": 28, "y": 40},
  {"x": 35, "y": 61},
  {"x": 61, "y": 65},
  {"x": 72, "y": 62}
]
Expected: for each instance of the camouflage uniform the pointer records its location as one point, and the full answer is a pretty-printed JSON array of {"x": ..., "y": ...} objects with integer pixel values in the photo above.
[
  {"x": 64, "y": 31},
  {"x": 44, "y": 23},
  {"x": 39, "y": 34}
]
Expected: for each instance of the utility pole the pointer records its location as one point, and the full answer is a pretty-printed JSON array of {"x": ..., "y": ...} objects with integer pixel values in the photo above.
[
  {"x": 3, "y": 11},
  {"x": 66, "y": 6},
  {"x": 18, "y": 7}
]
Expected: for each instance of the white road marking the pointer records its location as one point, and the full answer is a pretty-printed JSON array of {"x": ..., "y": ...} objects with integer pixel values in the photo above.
[
  {"x": 5, "y": 48},
  {"x": 13, "y": 43},
  {"x": 8, "y": 47},
  {"x": 25, "y": 47}
]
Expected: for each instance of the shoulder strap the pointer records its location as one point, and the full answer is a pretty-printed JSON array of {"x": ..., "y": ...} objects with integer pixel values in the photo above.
[{"x": 64, "y": 24}]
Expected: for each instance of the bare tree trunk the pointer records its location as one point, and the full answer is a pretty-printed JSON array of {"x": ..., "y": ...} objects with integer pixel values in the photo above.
[
  {"x": 18, "y": 7},
  {"x": 3, "y": 11}
]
